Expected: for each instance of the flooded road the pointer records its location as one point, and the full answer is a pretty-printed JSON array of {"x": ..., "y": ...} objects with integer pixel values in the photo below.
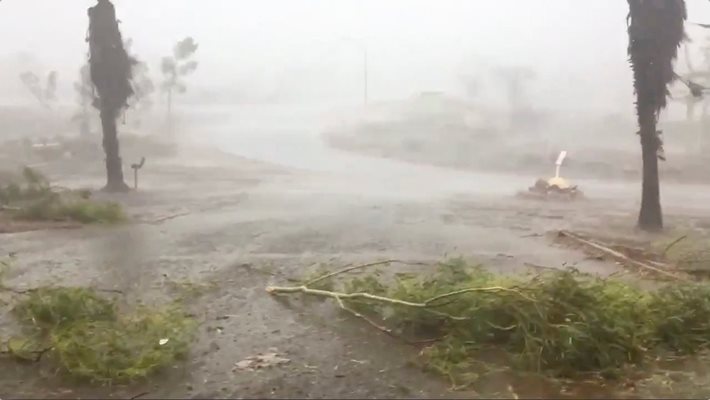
[
  {"x": 240, "y": 226},
  {"x": 291, "y": 137}
]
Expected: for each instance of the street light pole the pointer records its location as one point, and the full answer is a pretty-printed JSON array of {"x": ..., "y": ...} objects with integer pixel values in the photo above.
[
  {"x": 365, "y": 65},
  {"x": 365, "y": 68}
]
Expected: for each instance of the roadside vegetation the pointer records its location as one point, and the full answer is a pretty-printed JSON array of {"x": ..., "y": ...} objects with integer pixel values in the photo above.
[
  {"x": 473, "y": 325},
  {"x": 30, "y": 197},
  {"x": 91, "y": 337}
]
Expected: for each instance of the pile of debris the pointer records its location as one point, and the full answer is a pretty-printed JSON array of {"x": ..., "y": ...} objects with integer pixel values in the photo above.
[{"x": 555, "y": 188}]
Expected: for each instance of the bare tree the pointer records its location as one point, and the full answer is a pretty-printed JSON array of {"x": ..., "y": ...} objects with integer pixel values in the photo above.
[
  {"x": 45, "y": 95},
  {"x": 656, "y": 31},
  {"x": 176, "y": 67},
  {"x": 110, "y": 68}
]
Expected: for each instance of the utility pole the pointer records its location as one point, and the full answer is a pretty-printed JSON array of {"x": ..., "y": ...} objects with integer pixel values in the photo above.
[
  {"x": 365, "y": 68},
  {"x": 362, "y": 46}
]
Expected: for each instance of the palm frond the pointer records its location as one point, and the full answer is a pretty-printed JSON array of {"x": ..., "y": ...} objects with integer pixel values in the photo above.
[{"x": 656, "y": 31}]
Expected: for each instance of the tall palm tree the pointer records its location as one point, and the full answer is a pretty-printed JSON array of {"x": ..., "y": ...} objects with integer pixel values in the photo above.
[
  {"x": 111, "y": 75},
  {"x": 656, "y": 31}
]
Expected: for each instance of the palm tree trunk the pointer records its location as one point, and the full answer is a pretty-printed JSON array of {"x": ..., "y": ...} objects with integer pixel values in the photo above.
[
  {"x": 656, "y": 31},
  {"x": 650, "y": 216},
  {"x": 114, "y": 166}
]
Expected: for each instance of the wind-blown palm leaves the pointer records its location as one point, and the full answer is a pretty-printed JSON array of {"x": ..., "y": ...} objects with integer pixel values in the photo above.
[
  {"x": 695, "y": 83},
  {"x": 656, "y": 30},
  {"x": 111, "y": 75}
]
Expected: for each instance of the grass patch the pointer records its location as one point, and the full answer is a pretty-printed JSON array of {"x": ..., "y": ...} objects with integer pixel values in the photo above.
[
  {"x": 91, "y": 340},
  {"x": 49, "y": 309},
  {"x": 30, "y": 197},
  {"x": 83, "y": 211},
  {"x": 559, "y": 323},
  {"x": 126, "y": 349}
]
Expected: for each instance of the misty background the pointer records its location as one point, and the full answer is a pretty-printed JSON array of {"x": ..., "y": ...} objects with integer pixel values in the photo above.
[
  {"x": 308, "y": 50},
  {"x": 256, "y": 57}
]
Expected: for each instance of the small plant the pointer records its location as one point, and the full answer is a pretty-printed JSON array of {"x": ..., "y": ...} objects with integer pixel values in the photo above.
[
  {"x": 32, "y": 198},
  {"x": 54, "y": 208},
  {"x": 90, "y": 212},
  {"x": 90, "y": 340},
  {"x": 30, "y": 185},
  {"x": 126, "y": 349},
  {"x": 54, "y": 308}
]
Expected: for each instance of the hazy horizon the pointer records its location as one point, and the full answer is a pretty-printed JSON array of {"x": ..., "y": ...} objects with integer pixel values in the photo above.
[{"x": 309, "y": 48}]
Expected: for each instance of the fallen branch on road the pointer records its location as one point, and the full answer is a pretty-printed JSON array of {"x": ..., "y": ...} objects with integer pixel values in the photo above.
[
  {"x": 33, "y": 290},
  {"x": 560, "y": 322},
  {"x": 168, "y": 217},
  {"x": 673, "y": 243},
  {"x": 618, "y": 256},
  {"x": 339, "y": 296},
  {"x": 361, "y": 295},
  {"x": 356, "y": 267}
]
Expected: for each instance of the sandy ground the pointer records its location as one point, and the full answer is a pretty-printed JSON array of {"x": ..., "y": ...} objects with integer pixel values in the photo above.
[{"x": 239, "y": 225}]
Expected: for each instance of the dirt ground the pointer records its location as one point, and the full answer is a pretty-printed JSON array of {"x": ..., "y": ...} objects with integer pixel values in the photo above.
[{"x": 237, "y": 226}]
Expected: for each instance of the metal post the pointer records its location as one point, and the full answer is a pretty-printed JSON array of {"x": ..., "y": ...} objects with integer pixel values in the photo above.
[
  {"x": 170, "y": 113},
  {"x": 365, "y": 68},
  {"x": 136, "y": 167}
]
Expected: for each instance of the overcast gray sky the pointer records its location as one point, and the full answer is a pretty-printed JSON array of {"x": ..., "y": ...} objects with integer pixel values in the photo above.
[{"x": 577, "y": 47}]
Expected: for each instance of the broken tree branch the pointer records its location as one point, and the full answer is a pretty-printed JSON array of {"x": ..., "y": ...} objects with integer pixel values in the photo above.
[
  {"x": 673, "y": 243},
  {"x": 470, "y": 290},
  {"x": 32, "y": 290},
  {"x": 618, "y": 256},
  {"x": 426, "y": 305},
  {"x": 356, "y": 314},
  {"x": 356, "y": 267},
  {"x": 541, "y": 267},
  {"x": 168, "y": 217},
  {"x": 387, "y": 331},
  {"x": 338, "y": 295}
]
